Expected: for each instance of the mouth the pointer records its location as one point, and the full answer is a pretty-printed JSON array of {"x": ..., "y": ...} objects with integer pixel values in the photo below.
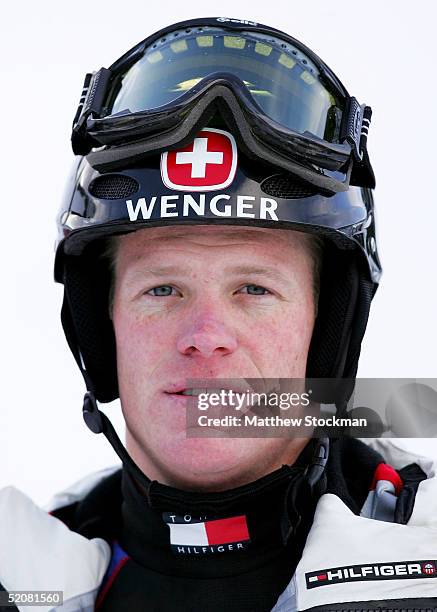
[
  {"x": 187, "y": 392},
  {"x": 195, "y": 392},
  {"x": 193, "y": 386}
]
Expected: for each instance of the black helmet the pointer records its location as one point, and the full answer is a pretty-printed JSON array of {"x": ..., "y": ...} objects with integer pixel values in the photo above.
[{"x": 218, "y": 120}]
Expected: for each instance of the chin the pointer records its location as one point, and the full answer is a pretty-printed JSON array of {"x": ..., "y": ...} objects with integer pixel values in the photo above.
[{"x": 212, "y": 464}]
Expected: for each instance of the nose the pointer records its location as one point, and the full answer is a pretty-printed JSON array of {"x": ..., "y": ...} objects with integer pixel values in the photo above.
[{"x": 207, "y": 337}]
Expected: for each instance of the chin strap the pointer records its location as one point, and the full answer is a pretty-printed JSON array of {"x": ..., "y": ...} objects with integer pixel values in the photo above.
[
  {"x": 316, "y": 471},
  {"x": 98, "y": 422},
  {"x": 311, "y": 483}
]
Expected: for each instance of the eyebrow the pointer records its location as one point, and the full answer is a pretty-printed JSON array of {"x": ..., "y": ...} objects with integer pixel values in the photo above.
[
  {"x": 164, "y": 270},
  {"x": 246, "y": 270},
  {"x": 255, "y": 271}
]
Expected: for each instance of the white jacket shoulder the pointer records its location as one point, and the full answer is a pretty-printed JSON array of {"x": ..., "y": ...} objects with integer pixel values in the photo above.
[{"x": 38, "y": 552}]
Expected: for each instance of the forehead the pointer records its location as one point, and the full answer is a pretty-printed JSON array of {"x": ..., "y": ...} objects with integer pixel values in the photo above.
[{"x": 151, "y": 241}]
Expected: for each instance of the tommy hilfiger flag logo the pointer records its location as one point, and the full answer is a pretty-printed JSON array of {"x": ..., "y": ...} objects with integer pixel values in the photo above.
[
  {"x": 191, "y": 536},
  {"x": 318, "y": 578},
  {"x": 396, "y": 570}
]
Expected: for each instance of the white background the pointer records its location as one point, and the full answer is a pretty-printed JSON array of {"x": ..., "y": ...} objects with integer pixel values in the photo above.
[{"x": 384, "y": 52}]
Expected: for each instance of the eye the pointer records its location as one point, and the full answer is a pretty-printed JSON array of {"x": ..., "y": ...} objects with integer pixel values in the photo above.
[
  {"x": 161, "y": 291},
  {"x": 255, "y": 290}
]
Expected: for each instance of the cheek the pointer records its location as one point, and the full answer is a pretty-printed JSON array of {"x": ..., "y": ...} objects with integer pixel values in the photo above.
[
  {"x": 141, "y": 345},
  {"x": 281, "y": 342}
]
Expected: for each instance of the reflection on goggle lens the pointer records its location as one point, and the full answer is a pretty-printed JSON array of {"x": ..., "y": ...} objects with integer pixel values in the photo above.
[{"x": 281, "y": 80}]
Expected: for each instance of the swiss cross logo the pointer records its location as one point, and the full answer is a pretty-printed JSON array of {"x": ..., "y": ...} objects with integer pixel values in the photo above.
[{"x": 207, "y": 164}]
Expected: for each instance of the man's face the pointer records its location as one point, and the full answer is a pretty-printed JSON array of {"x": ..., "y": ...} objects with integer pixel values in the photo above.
[{"x": 207, "y": 302}]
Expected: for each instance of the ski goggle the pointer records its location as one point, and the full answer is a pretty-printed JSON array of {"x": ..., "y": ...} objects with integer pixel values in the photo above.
[
  {"x": 281, "y": 81},
  {"x": 290, "y": 100}
]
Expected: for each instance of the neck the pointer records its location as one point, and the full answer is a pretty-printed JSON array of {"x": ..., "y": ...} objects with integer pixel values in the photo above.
[{"x": 202, "y": 477}]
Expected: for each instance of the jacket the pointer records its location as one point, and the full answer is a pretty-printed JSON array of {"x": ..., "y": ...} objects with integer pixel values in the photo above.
[{"x": 377, "y": 559}]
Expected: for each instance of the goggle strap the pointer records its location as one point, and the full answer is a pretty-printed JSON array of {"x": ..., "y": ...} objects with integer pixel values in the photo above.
[
  {"x": 357, "y": 127},
  {"x": 83, "y": 96},
  {"x": 367, "y": 117},
  {"x": 90, "y": 104}
]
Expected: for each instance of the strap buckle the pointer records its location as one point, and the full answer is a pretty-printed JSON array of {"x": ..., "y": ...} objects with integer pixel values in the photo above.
[{"x": 91, "y": 413}]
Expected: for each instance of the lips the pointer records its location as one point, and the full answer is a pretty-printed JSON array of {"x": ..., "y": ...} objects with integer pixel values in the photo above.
[
  {"x": 209, "y": 386},
  {"x": 189, "y": 392}
]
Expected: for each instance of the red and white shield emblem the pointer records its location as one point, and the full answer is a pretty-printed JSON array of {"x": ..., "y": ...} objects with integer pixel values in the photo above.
[
  {"x": 209, "y": 163},
  {"x": 428, "y": 568}
]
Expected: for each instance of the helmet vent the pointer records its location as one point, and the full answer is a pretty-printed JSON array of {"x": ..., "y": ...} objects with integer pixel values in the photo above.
[
  {"x": 287, "y": 187},
  {"x": 113, "y": 187}
]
